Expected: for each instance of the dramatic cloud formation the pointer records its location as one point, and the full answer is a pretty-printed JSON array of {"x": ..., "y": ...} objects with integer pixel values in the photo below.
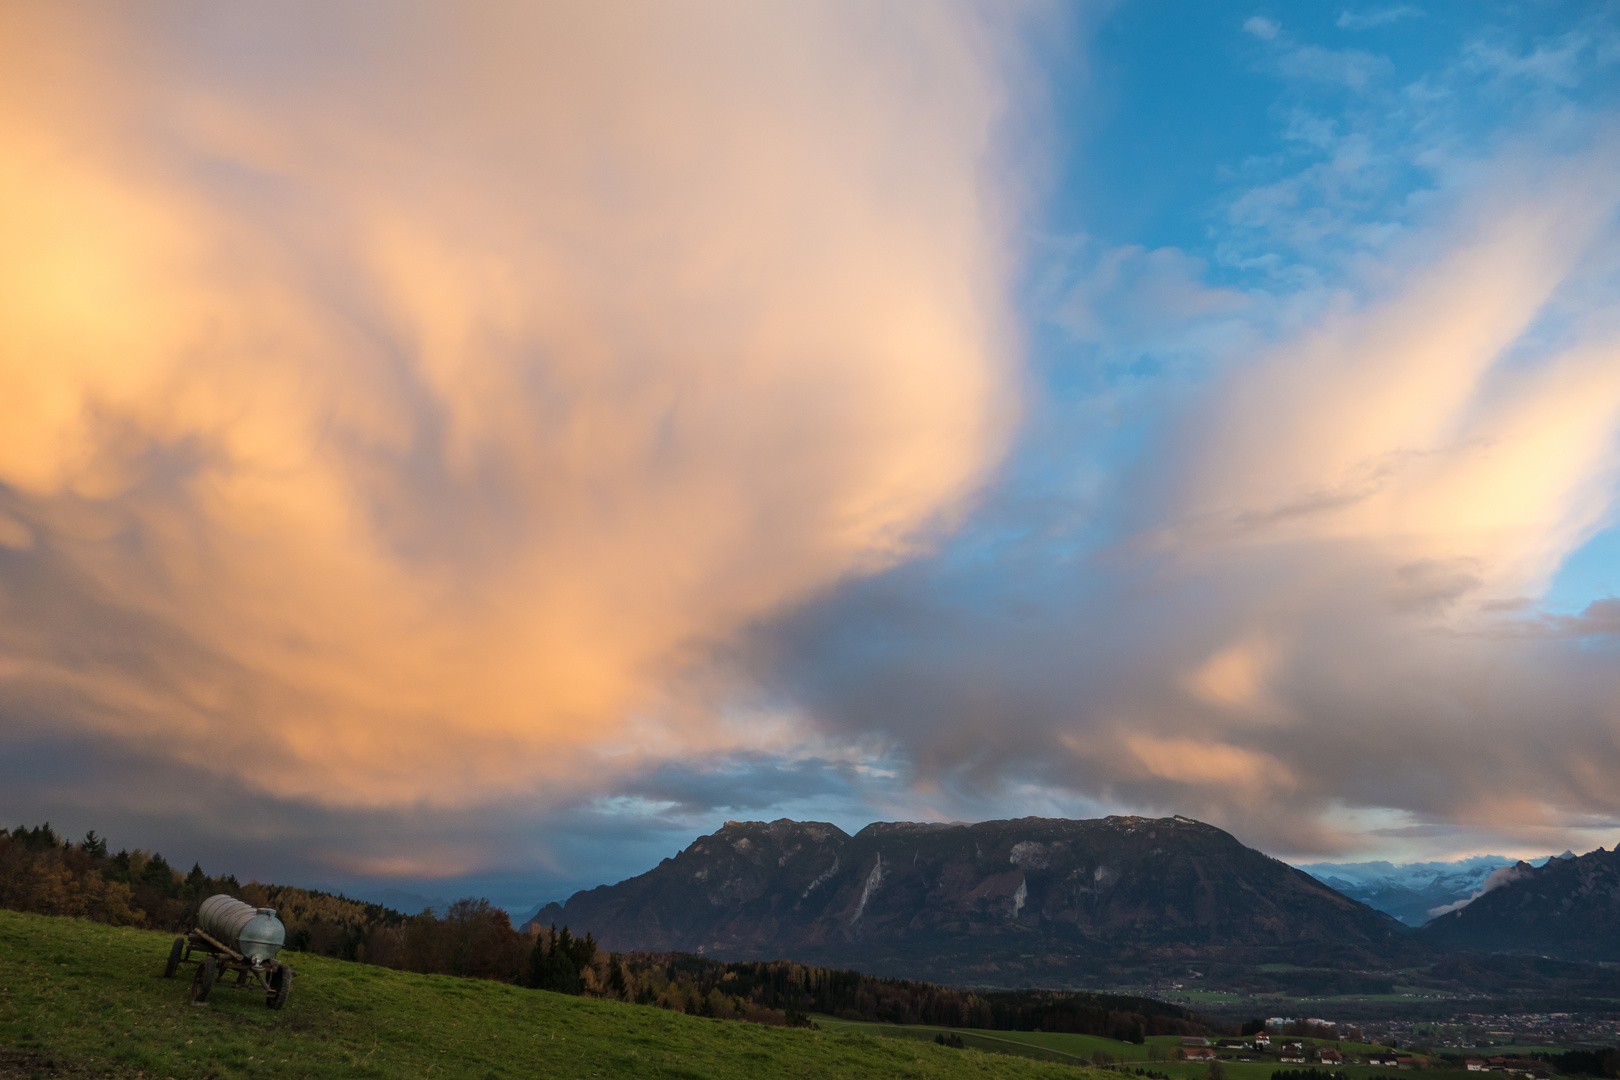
[
  {"x": 504, "y": 442},
  {"x": 1305, "y": 603},
  {"x": 395, "y": 402}
]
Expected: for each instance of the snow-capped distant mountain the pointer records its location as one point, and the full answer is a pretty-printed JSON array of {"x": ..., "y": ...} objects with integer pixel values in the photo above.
[
  {"x": 1568, "y": 908},
  {"x": 1412, "y": 892}
]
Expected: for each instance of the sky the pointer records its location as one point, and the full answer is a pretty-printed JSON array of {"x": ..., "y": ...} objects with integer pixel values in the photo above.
[{"x": 475, "y": 449}]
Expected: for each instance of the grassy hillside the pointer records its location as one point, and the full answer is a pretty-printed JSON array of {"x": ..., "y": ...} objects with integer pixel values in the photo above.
[{"x": 82, "y": 997}]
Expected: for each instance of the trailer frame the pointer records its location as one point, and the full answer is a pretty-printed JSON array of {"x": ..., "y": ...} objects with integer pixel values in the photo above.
[{"x": 215, "y": 958}]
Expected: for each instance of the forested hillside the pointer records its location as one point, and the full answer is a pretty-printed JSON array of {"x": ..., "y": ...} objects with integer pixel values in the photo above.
[{"x": 40, "y": 872}]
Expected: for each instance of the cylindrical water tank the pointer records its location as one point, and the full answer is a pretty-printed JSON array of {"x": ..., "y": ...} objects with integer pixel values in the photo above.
[{"x": 256, "y": 933}]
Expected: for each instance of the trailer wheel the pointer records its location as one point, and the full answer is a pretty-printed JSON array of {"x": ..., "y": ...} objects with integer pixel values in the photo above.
[
  {"x": 280, "y": 987},
  {"x": 203, "y": 982},
  {"x": 175, "y": 952}
]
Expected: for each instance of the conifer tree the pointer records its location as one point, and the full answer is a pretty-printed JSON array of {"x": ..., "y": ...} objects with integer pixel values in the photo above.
[
  {"x": 616, "y": 981},
  {"x": 537, "y": 961},
  {"x": 556, "y": 968},
  {"x": 160, "y": 875}
]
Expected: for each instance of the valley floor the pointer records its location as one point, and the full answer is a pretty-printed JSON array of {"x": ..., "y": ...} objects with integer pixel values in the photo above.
[{"x": 1152, "y": 1056}]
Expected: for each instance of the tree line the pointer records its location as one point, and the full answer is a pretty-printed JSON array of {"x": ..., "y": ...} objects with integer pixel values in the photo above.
[
  {"x": 1604, "y": 1062},
  {"x": 795, "y": 990},
  {"x": 45, "y": 873}
]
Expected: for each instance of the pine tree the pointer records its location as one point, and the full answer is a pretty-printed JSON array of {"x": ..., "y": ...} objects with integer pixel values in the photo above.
[
  {"x": 555, "y": 968},
  {"x": 160, "y": 875},
  {"x": 40, "y": 836},
  {"x": 537, "y": 961},
  {"x": 562, "y": 975},
  {"x": 583, "y": 951},
  {"x": 616, "y": 980}
]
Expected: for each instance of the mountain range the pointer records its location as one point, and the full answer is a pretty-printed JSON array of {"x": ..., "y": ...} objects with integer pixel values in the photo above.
[
  {"x": 1416, "y": 892},
  {"x": 1412, "y": 892},
  {"x": 1569, "y": 908},
  {"x": 1028, "y": 902}
]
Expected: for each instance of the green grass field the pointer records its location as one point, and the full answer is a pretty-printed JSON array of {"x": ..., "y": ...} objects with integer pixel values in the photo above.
[
  {"x": 80, "y": 998},
  {"x": 1287, "y": 1002},
  {"x": 1040, "y": 1045},
  {"x": 1043, "y": 1045}
]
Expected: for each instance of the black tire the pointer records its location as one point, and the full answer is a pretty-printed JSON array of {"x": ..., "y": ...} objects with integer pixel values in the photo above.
[
  {"x": 176, "y": 951},
  {"x": 204, "y": 981},
  {"x": 280, "y": 987}
]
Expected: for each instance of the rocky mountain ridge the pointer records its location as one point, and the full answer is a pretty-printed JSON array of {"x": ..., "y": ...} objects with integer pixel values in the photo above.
[
  {"x": 1024, "y": 902},
  {"x": 1568, "y": 908}
]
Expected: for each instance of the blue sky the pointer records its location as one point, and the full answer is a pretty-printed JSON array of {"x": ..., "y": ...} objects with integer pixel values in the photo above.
[{"x": 488, "y": 451}]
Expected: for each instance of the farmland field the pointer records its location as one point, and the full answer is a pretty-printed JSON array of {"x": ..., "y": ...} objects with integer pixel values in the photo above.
[{"x": 1045, "y": 1045}]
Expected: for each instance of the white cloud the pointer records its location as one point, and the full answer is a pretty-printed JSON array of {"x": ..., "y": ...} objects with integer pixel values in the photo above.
[
  {"x": 1555, "y": 63},
  {"x": 1352, "y": 68},
  {"x": 1135, "y": 298},
  {"x": 1262, "y": 28},
  {"x": 1375, "y": 17},
  {"x": 1505, "y": 875}
]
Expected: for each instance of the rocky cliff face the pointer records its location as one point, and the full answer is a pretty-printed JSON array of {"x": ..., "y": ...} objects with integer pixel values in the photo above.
[
  {"x": 1008, "y": 902},
  {"x": 1569, "y": 908}
]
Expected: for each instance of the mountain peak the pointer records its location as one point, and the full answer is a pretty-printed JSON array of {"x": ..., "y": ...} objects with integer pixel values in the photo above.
[{"x": 1014, "y": 901}]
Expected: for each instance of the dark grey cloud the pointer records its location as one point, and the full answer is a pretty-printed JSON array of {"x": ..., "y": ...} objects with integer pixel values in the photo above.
[{"x": 1368, "y": 706}]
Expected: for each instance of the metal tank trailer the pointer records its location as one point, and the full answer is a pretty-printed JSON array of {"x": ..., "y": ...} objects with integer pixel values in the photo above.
[{"x": 233, "y": 936}]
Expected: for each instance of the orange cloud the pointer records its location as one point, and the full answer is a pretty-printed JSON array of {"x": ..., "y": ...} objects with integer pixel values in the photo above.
[
  {"x": 1243, "y": 777},
  {"x": 1404, "y": 423},
  {"x": 422, "y": 392},
  {"x": 1234, "y": 678}
]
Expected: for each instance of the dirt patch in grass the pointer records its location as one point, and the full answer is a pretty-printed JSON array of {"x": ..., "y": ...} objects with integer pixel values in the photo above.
[{"x": 32, "y": 1065}]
